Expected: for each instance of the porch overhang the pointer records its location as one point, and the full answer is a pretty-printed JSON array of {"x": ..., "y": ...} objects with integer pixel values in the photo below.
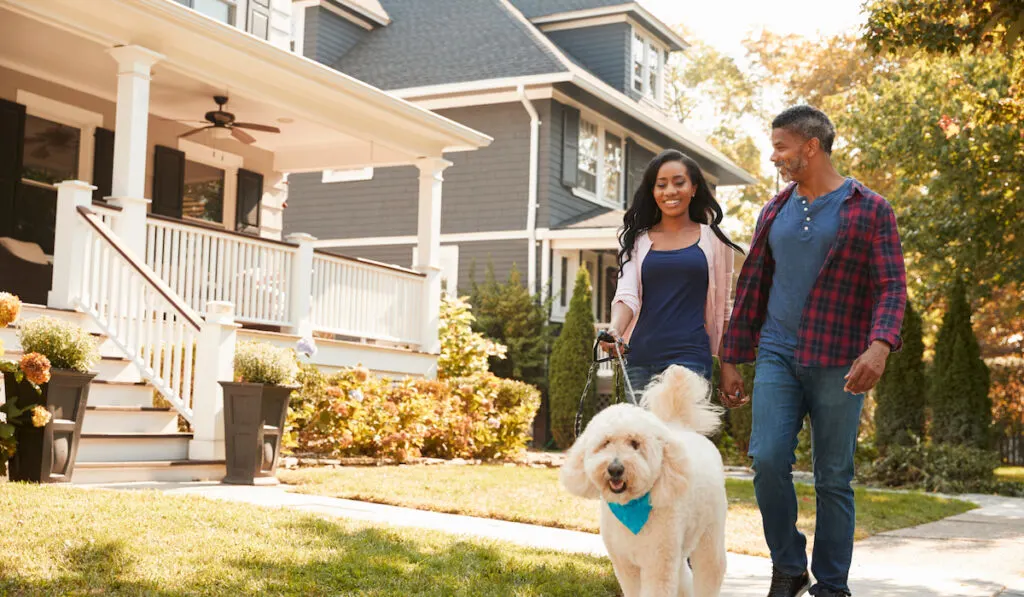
[{"x": 327, "y": 119}]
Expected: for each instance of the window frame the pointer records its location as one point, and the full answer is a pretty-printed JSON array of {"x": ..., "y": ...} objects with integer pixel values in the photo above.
[
  {"x": 222, "y": 160},
  {"x": 236, "y": 7},
  {"x": 603, "y": 129},
  {"x": 650, "y": 43}
]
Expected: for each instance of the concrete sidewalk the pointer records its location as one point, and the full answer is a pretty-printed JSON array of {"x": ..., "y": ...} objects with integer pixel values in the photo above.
[{"x": 976, "y": 554}]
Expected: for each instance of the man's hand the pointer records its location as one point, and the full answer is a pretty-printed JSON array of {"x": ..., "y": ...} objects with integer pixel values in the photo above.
[
  {"x": 868, "y": 368},
  {"x": 731, "y": 387}
]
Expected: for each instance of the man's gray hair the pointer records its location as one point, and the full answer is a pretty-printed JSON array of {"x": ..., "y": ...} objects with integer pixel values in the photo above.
[{"x": 809, "y": 123}]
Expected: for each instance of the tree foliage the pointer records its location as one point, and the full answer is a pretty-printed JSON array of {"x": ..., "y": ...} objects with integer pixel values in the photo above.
[
  {"x": 570, "y": 361},
  {"x": 901, "y": 394}
]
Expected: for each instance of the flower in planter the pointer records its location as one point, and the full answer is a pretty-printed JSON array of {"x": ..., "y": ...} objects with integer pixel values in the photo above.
[
  {"x": 36, "y": 368},
  {"x": 10, "y": 307},
  {"x": 40, "y": 416},
  {"x": 66, "y": 345},
  {"x": 264, "y": 363}
]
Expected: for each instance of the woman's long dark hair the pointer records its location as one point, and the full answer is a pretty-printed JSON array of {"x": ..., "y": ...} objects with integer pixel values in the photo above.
[{"x": 644, "y": 212}]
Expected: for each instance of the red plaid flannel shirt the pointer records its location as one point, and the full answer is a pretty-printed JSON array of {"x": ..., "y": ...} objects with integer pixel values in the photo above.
[{"x": 858, "y": 297}]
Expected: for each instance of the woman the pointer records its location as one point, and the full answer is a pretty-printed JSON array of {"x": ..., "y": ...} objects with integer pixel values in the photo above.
[{"x": 675, "y": 272}]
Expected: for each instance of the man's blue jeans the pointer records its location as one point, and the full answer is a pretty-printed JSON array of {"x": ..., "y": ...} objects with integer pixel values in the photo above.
[{"x": 784, "y": 392}]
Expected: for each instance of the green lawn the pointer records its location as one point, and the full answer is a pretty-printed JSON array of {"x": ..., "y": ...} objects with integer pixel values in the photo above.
[
  {"x": 68, "y": 541},
  {"x": 532, "y": 495}
]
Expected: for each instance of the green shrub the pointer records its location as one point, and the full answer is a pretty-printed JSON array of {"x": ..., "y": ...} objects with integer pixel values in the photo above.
[
  {"x": 738, "y": 421},
  {"x": 353, "y": 413},
  {"x": 463, "y": 351},
  {"x": 901, "y": 394},
  {"x": 939, "y": 467},
  {"x": 65, "y": 344},
  {"x": 571, "y": 356},
  {"x": 508, "y": 314},
  {"x": 262, "y": 362},
  {"x": 961, "y": 407}
]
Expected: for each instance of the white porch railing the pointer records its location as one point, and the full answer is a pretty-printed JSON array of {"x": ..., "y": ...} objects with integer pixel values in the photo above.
[
  {"x": 138, "y": 313},
  {"x": 201, "y": 264},
  {"x": 606, "y": 368},
  {"x": 107, "y": 213},
  {"x": 365, "y": 299}
]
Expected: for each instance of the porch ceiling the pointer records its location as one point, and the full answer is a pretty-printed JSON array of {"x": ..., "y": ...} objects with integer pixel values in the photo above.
[{"x": 328, "y": 120}]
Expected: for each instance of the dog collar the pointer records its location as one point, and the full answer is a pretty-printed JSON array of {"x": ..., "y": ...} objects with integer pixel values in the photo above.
[{"x": 634, "y": 514}]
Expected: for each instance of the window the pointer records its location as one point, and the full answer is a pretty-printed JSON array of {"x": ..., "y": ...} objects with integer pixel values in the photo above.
[
  {"x": 51, "y": 151},
  {"x": 204, "y": 192},
  {"x": 221, "y": 10},
  {"x": 647, "y": 67},
  {"x": 589, "y": 153},
  {"x": 612, "y": 168},
  {"x": 600, "y": 164}
]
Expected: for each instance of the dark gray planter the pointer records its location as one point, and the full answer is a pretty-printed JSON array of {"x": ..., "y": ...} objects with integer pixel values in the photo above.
[
  {"x": 254, "y": 417},
  {"x": 47, "y": 454}
]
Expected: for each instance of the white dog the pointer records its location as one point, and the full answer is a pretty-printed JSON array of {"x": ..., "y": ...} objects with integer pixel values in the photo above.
[{"x": 661, "y": 485}]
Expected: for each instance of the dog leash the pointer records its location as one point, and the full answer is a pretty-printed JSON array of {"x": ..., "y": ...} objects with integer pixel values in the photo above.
[{"x": 604, "y": 336}]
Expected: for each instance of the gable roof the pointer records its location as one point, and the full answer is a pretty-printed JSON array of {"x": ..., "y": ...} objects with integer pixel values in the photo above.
[{"x": 425, "y": 45}]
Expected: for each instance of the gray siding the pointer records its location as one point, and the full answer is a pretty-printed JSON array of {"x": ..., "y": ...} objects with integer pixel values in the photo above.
[
  {"x": 484, "y": 190},
  {"x": 603, "y": 50},
  {"x": 637, "y": 158},
  {"x": 384, "y": 206},
  {"x": 328, "y": 36}
]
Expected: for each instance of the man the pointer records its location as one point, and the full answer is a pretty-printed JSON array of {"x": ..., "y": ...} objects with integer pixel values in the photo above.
[{"x": 821, "y": 299}]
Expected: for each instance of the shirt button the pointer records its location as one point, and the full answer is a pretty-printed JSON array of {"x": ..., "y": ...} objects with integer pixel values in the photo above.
[
  {"x": 808, "y": 218},
  {"x": 806, "y": 228},
  {"x": 805, "y": 209}
]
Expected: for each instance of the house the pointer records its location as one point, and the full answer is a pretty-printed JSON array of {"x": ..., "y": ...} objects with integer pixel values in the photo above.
[
  {"x": 573, "y": 93},
  {"x": 145, "y": 147}
]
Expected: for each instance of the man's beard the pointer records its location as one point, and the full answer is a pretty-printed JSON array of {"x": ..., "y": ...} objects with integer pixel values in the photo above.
[{"x": 787, "y": 168}]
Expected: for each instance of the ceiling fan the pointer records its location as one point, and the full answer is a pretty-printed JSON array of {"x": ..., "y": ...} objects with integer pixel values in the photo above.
[{"x": 219, "y": 119}]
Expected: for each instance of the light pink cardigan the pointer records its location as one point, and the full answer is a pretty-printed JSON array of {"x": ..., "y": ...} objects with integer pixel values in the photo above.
[{"x": 720, "y": 269}]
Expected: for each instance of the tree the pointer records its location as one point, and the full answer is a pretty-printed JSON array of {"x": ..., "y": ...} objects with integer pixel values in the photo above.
[
  {"x": 961, "y": 407},
  {"x": 507, "y": 313},
  {"x": 944, "y": 26},
  {"x": 901, "y": 394},
  {"x": 571, "y": 356}
]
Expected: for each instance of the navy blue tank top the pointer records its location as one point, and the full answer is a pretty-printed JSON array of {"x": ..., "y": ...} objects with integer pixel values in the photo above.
[{"x": 670, "y": 329}]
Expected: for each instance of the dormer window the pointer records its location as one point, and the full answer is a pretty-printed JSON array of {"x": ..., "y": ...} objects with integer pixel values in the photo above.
[{"x": 648, "y": 66}]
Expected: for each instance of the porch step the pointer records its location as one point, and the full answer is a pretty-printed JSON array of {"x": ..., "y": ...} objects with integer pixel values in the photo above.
[
  {"x": 132, "y": 447},
  {"x": 109, "y": 368},
  {"x": 119, "y": 393},
  {"x": 129, "y": 419},
  {"x": 162, "y": 471}
]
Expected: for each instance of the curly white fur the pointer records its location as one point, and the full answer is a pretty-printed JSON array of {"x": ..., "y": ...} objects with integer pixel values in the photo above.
[{"x": 663, "y": 450}]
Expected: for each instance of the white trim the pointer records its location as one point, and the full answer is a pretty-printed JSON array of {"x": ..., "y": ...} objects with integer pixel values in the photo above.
[
  {"x": 84, "y": 120},
  {"x": 298, "y": 33},
  {"x": 346, "y": 15},
  {"x": 481, "y": 85},
  {"x": 650, "y": 42},
  {"x": 359, "y": 174},
  {"x": 576, "y": 233},
  {"x": 507, "y": 96},
  {"x": 381, "y": 19},
  {"x": 597, "y": 196},
  {"x": 531, "y": 199},
  {"x": 583, "y": 23},
  {"x": 459, "y": 237},
  {"x": 449, "y": 260}
]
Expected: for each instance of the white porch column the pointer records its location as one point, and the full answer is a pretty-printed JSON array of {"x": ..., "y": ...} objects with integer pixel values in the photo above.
[
  {"x": 69, "y": 238},
  {"x": 301, "y": 287},
  {"x": 215, "y": 355},
  {"x": 428, "y": 247},
  {"x": 545, "y": 269},
  {"x": 132, "y": 125}
]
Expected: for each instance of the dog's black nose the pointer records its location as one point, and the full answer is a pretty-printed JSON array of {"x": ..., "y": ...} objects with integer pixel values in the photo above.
[{"x": 615, "y": 469}]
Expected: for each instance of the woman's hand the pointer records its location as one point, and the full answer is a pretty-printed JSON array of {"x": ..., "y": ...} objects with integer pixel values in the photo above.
[
  {"x": 612, "y": 348},
  {"x": 731, "y": 387}
]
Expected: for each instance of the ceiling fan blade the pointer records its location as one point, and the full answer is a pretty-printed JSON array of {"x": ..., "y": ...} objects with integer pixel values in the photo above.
[
  {"x": 257, "y": 127},
  {"x": 194, "y": 131},
  {"x": 242, "y": 136}
]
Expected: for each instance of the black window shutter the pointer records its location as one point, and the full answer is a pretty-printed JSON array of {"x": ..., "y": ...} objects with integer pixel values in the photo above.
[
  {"x": 168, "y": 181},
  {"x": 12, "y": 142},
  {"x": 250, "y": 201},
  {"x": 103, "y": 165},
  {"x": 570, "y": 145},
  {"x": 259, "y": 18}
]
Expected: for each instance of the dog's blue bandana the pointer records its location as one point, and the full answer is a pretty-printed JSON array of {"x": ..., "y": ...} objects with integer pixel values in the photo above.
[{"x": 633, "y": 515}]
